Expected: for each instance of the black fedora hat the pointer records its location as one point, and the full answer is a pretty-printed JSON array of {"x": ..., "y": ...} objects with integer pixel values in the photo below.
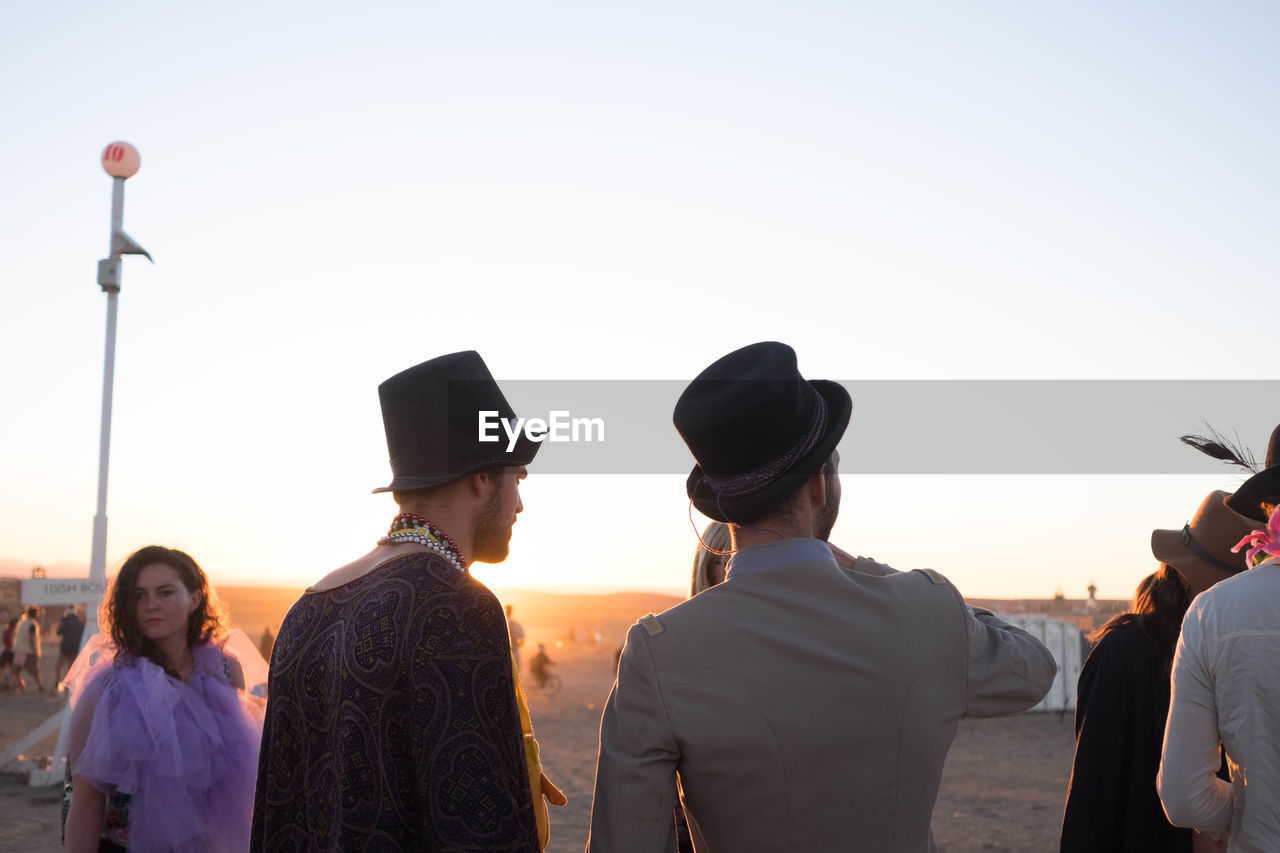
[
  {"x": 758, "y": 430},
  {"x": 1261, "y": 489},
  {"x": 431, "y": 415}
]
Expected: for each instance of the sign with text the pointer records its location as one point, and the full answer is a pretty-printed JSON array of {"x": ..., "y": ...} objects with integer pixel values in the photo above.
[{"x": 62, "y": 590}]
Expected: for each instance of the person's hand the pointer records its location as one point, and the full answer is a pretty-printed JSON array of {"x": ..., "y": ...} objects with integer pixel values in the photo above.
[
  {"x": 555, "y": 796},
  {"x": 869, "y": 566},
  {"x": 843, "y": 560}
]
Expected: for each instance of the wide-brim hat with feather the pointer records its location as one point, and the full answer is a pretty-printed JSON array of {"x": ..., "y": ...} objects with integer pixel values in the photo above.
[
  {"x": 431, "y": 414},
  {"x": 758, "y": 430},
  {"x": 1258, "y": 495},
  {"x": 1201, "y": 550}
]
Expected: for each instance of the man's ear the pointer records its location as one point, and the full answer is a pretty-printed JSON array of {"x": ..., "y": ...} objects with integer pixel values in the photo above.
[
  {"x": 481, "y": 483},
  {"x": 816, "y": 488}
]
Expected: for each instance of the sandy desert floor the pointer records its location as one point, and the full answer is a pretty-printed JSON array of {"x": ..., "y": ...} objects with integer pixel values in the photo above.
[{"x": 1002, "y": 790}]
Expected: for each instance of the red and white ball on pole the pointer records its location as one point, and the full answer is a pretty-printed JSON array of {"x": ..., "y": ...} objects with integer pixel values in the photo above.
[{"x": 121, "y": 160}]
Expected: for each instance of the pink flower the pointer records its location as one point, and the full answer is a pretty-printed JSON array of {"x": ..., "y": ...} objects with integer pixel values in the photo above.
[{"x": 1265, "y": 541}]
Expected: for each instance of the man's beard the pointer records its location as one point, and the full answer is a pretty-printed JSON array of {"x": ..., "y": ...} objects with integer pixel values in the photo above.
[{"x": 491, "y": 533}]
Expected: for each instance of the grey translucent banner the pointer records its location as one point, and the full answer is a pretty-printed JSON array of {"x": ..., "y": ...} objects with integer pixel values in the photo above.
[{"x": 960, "y": 427}]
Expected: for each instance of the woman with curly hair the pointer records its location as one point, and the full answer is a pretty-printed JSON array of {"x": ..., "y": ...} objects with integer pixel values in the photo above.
[{"x": 164, "y": 742}]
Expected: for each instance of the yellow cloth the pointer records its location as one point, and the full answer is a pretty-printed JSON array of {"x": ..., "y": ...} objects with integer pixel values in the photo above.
[{"x": 533, "y": 759}]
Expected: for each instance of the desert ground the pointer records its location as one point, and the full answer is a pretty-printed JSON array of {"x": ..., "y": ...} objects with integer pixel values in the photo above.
[{"x": 1002, "y": 790}]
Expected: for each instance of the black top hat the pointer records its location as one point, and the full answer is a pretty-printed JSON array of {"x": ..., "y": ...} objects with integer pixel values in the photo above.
[
  {"x": 431, "y": 415},
  {"x": 758, "y": 430},
  {"x": 1261, "y": 488}
]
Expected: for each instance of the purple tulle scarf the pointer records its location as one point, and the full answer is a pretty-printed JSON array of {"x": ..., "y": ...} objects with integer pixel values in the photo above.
[{"x": 186, "y": 753}]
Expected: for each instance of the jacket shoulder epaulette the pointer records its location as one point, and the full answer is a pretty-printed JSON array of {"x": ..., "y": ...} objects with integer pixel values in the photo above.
[
  {"x": 651, "y": 624},
  {"x": 934, "y": 577}
]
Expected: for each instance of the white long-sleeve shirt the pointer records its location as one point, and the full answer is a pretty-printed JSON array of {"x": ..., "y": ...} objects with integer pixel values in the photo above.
[
  {"x": 26, "y": 638},
  {"x": 1226, "y": 688}
]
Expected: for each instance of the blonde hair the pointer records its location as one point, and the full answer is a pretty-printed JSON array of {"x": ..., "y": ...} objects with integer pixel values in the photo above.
[{"x": 716, "y": 537}]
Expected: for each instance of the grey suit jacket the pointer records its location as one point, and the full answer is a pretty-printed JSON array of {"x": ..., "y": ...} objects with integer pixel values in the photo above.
[{"x": 805, "y": 708}]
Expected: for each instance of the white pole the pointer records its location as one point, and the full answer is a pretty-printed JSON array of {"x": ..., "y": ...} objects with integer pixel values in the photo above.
[{"x": 98, "y": 557}]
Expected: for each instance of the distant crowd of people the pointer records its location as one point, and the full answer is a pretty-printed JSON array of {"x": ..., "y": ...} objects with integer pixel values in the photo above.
[
  {"x": 801, "y": 699},
  {"x": 539, "y": 664},
  {"x": 23, "y": 645}
]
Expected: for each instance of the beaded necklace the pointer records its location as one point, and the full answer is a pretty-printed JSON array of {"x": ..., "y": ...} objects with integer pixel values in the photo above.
[{"x": 407, "y": 527}]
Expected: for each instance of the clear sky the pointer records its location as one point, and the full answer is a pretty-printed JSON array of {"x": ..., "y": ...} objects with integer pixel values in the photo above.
[{"x": 592, "y": 190}]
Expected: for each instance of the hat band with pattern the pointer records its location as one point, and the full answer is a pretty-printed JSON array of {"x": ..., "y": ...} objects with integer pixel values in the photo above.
[{"x": 745, "y": 484}]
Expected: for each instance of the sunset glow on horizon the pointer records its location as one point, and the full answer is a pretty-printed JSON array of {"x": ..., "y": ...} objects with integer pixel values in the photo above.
[{"x": 920, "y": 191}]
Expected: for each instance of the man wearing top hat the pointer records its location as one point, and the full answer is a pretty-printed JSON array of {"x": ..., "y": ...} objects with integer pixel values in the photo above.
[
  {"x": 1226, "y": 670},
  {"x": 393, "y": 721},
  {"x": 797, "y": 705}
]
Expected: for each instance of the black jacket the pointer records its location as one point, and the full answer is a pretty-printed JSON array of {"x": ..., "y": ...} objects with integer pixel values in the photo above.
[{"x": 1121, "y": 706}]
